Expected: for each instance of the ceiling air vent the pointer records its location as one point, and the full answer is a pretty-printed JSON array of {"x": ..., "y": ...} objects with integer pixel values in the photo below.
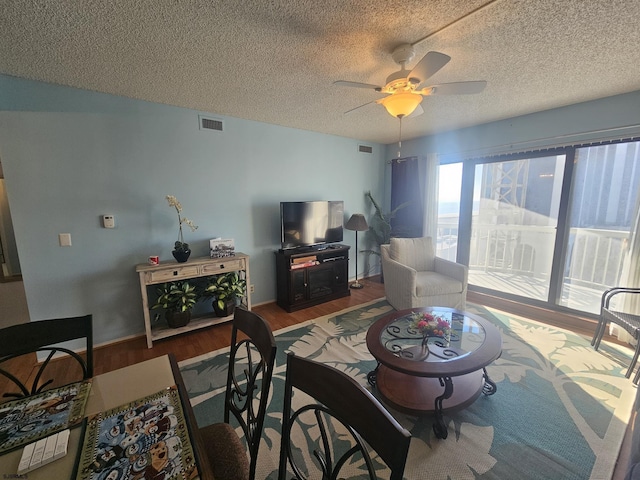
[
  {"x": 365, "y": 149},
  {"x": 207, "y": 123}
]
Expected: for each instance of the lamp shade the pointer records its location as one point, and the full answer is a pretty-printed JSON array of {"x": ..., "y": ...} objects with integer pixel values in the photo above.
[
  {"x": 357, "y": 222},
  {"x": 401, "y": 104}
]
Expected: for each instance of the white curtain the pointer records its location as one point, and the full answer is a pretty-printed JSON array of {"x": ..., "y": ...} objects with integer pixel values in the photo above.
[
  {"x": 630, "y": 278},
  {"x": 430, "y": 228}
]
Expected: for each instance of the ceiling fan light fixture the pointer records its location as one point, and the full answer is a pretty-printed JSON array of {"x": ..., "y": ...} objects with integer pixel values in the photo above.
[{"x": 401, "y": 104}]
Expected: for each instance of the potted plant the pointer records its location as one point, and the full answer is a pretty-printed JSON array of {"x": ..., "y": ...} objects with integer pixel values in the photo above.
[
  {"x": 177, "y": 298},
  {"x": 181, "y": 250},
  {"x": 225, "y": 290},
  {"x": 380, "y": 224}
]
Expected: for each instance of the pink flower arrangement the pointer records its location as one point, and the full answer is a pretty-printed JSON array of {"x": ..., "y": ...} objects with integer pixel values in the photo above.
[{"x": 430, "y": 325}]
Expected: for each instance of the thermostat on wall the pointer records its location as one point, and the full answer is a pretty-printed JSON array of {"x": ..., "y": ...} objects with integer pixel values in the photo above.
[{"x": 108, "y": 221}]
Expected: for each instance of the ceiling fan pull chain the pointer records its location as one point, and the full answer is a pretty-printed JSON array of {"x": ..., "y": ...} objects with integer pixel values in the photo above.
[{"x": 400, "y": 137}]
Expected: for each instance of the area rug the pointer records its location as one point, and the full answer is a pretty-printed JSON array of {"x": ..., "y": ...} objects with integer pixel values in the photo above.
[{"x": 560, "y": 410}]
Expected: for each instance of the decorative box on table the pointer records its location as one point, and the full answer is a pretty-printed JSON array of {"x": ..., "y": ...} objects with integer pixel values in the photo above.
[{"x": 222, "y": 247}]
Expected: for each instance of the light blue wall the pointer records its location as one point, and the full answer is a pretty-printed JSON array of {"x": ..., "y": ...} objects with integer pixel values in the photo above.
[
  {"x": 70, "y": 156},
  {"x": 604, "y": 119}
]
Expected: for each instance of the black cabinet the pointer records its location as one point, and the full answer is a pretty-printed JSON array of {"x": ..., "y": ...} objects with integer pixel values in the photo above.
[{"x": 310, "y": 276}]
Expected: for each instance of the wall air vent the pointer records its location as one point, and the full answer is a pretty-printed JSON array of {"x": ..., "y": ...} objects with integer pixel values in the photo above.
[
  {"x": 365, "y": 149},
  {"x": 207, "y": 123}
]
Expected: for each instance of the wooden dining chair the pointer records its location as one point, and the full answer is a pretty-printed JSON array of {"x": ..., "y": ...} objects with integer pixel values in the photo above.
[
  {"x": 251, "y": 362},
  {"x": 333, "y": 430},
  {"x": 23, "y": 345}
]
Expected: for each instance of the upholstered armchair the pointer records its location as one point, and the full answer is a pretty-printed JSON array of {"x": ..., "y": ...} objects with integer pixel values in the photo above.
[{"x": 415, "y": 277}]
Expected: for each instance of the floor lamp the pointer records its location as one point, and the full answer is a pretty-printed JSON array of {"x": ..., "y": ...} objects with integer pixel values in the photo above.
[{"x": 358, "y": 223}]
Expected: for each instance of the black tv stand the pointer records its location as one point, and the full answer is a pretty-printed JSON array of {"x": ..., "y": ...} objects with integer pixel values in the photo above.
[{"x": 310, "y": 276}]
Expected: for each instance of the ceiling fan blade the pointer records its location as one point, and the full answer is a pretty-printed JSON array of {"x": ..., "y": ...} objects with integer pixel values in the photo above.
[
  {"x": 345, "y": 83},
  {"x": 360, "y": 106},
  {"x": 416, "y": 112},
  {"x": 429, "y": 65},
  {"x": 457, "y": 88}
]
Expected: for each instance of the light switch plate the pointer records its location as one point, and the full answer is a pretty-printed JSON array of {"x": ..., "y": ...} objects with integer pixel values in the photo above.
[{"x": 64, "y": 239}]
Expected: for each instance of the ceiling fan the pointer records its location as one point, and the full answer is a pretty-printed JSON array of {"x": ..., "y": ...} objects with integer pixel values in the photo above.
[{"x": 405, "y": 88}]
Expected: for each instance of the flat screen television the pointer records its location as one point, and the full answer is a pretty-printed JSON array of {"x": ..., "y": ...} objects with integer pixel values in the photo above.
[{"x": 306, "y": 224}]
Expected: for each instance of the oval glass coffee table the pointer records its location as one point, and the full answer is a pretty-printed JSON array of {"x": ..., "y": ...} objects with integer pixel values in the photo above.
[{"x": 432, "y": 359}]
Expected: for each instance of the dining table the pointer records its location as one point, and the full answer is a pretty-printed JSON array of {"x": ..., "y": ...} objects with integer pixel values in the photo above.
[{"x": 109, "y": 391}]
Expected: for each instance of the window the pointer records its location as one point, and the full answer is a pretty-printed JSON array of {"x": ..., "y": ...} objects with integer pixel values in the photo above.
[
  {"x": 513, "y": 225},
  {"x": 604, "y": 208},
  {"x": 554, "y": 228},
  {"x": 449, "y": 186}
]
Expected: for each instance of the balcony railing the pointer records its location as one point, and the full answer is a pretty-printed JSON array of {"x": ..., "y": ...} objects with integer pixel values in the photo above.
[
  {"x": 596, "y": 257},
  {"x": 517, "y": 259}
]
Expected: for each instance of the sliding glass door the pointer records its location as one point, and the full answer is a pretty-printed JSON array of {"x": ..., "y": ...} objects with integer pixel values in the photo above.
[
  {"x": 513, "y": 225},
  {"x": 556, "y": 228},
  {"x": 603, "y": 222}
]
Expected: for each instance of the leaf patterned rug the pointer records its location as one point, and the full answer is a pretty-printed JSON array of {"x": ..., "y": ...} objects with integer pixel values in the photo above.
[{"x": 560, "y": 410}]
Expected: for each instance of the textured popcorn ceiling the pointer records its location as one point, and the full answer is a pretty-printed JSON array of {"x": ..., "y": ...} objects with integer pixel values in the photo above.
[{"x": 275, "y": 61}]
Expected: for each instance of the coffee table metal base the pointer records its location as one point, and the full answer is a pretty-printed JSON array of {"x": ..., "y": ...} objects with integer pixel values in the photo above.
[{"x": 428, "y": 395}]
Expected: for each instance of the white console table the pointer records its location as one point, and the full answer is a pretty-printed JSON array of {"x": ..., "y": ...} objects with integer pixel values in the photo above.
[{"x": 193, "y": 268}]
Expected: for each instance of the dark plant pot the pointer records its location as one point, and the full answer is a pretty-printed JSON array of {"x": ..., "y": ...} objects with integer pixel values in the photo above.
[
  {"x": 181, "y": 255},
  {"x": 228, "y": 309},
  {"x": 177, "y": 319}
]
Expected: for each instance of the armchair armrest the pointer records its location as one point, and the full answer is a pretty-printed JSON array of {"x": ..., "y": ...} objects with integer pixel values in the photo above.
[
  {"x": 612, "y": 292},
  {"x": 399, "y": 282},
  {"x": 397, "y": 272},
  {"x": 454, "y": 270}
]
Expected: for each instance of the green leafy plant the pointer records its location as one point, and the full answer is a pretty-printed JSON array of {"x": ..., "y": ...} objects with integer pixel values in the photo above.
[
  {"x": 225, "y": 288},
  {"x": 178, "y": 296},
  {"x": 380, "y": 224}
]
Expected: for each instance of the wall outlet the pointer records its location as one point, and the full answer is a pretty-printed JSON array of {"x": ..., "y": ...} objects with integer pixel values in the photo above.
[{"x": 252, "y": 288}]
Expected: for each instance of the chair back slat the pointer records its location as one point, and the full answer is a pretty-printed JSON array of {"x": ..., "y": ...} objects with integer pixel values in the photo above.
[
  {"x": 251, "y": 362},
  {"x": 346, "y": 401},
  {"x": 42, "y": 337}
]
